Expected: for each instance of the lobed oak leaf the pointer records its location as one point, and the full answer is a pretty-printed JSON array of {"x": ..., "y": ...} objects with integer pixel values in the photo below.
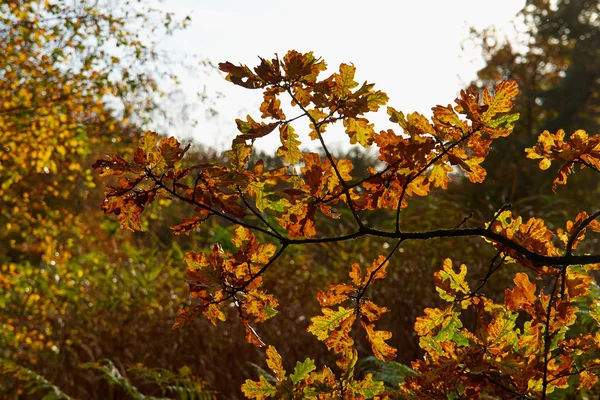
[
  {"x": 318, "y": 116},
  {"x": 302, "y": 95},
  {"x": 239, "y": 154},
  {"x": 433, "y": 321},
  {"x": 580, "y": 148},
  {"x": 474, "y": 171},
  {"x": 302, "y": 370},
  {"x": 321, "y": 384},
  {"x": 267, "y": 198},
  {"x": 289, "y": 148},
  {"x": 115, "y": 166},
  {"x": 171, "y": 151},
  {"x": 315, "y": 173},
  {"x": 269, "y": 70},
  {"x": 449, "y": 283},
  {"x": 129, "y": 215},
  {"x": 531, "y": 341},
  {"x": 377, "y": 339},
  {"x": 258, "y": 390},
  {"x": 271, "y": 107},
  {"x": 377, "y": 270},
  {"x": 275, "y": 363},
  {"x": 356, "y": 274},
  {"x": 344, "y": 81},
  {"x": 339, "y": 339},
  {"x": 415, "y": 125},
  {"x": 242, "y": 76},
  {"x": 347, "y": 362},
  {"x": 502, "y": 335},
  {"x": 187, "y": 225},
  {"x": 148, "y": 144},
  {"x": 252, "y": 130},
  {"x": 263, "y": 253},
  {"x": 587, "y": 379},
  {"x": 448, "y": 126},
  {"x": 302, "y": 67},
  {"x": 336, "y": 294},
  {"x": 373, "y": 99},
  {"x": 577, "y": 284},
  {"x": 322, "y": 325},
  {"x": 360, "y": 131},
  {"x": 468, "y": 104},
  {"x": 522, "y": 295},
  {"x": 366, "y": 388},
  {"x": 501, "y": 102},
  {"x": 251, "y": 335},
  {"x": 438, "y": 175},
  {"x": 372, "y": 311},
  {"x": 259, "y": 304},
  {"x": 572, "y": 227},
  {"x": 299, "y": 220},
  {"x": 213, "y": 313}
]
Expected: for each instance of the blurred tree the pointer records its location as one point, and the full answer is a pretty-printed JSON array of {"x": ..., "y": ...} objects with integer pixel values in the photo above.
[
  {"x": 75, "y": 79},
  {"x": 556, "y": 63}
]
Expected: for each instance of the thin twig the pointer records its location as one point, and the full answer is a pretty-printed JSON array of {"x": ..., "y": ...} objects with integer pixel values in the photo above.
[
  {"x": 465, "y": 219},
  {"x": 506, "y": 388},
  {"x": 344, "y": 184},
  {"x": 374, "y": 272},
  {"x": 258, "y": 215},
  {"x": 547, "y": 339}
]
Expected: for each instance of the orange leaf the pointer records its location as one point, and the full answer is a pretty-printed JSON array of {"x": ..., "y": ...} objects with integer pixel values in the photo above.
[
  {"x": 522, "y": 295},
  {"x": 274, "y": 362},
  {"x": 381, "y": 350}
]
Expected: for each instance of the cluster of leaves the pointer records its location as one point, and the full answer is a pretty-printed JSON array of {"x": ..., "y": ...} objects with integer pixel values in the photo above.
[
  {"x": 499, "y": 357},
  {"x": 579, "y": 149}
]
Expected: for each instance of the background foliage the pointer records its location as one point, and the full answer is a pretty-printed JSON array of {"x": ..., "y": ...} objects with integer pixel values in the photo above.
[{"x": 76, "y": 83}]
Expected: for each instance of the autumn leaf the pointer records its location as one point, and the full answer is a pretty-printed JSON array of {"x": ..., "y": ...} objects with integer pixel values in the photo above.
[
  {"x": 522, "y": 295},
  {"x": 252, "y": 130},
  {"x": 322, "y": 325},
  {"x": 242, "y": 76},
  {"x": 344, "y": 81},
  {"x": 187, "y": 225},
  {"x": 372, "y": 311},
  {"x": 449, "y": 283},
  {"x": 360, "y": 131},
  {"x": 505, "y": 91},
  {"x": 339, "y": 339},
  {"x": 289, "y": 149},
  {"x": 377, "y": 339},
  {"x": 171, "y": 151},
  {"x": 367, "y": 387},
  {"x": 377, "y": 270},
  {"x": 336, "y": 294},
  {"x": 258, "y": 390},
  {"x": 274, "y": 362}
]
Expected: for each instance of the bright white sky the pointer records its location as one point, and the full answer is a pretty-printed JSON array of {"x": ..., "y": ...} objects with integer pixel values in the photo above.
[{"x": 410, "y": 49}]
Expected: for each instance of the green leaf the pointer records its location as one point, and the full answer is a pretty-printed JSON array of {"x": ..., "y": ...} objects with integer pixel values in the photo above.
[
  {"x": 267, "y": 198},
  {"x": 367, "y": 387},
  {"x": 302, "y": 370},
  {"x": 505, "y": 121},
  {"x": 391, "y": 373}
]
